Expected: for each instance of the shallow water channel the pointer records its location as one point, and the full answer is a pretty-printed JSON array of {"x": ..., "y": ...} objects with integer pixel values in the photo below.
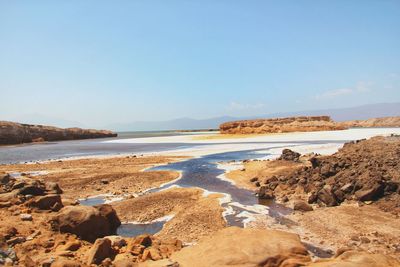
[{"x": 239, "y": 204}]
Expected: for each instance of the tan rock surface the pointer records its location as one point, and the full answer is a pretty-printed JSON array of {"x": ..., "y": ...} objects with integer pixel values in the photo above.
[
  {"x": 358, "y": 259},
  {"x": 235, "y": 246},
  {"x": 351, "y": 226}
]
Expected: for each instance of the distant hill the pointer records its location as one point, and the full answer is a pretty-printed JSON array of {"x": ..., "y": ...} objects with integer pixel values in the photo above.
[
  {"x": 176, "y": 124},
  {"x": 346, "y": 114},
  {"x": 339, "y": 114}
]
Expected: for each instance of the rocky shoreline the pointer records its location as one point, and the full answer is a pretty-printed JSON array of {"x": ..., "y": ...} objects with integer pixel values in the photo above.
[
  {"x": 44, "y": 225},
  {"x": 12, "y": 133}
]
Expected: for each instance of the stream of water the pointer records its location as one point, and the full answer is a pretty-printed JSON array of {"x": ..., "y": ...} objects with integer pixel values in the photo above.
[{"x": 203, "y": 172}]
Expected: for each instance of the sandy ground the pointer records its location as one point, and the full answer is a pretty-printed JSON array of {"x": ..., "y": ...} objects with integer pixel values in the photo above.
[
  {"x": 194, "y": 215},
  {"x": 87, "y": 177},
  {"x": 348, "y": 226}
]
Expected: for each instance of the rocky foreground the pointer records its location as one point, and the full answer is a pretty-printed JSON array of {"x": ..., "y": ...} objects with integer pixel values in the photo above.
[
  {"x": 16, "y": 133},
  {"x": 301, "y": 124},
  {"x": 43, "y": 224},
  {"x": 38, "y": 229}
]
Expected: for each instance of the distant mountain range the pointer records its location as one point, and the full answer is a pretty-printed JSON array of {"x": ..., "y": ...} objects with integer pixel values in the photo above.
[{"x": 338, "y": 114}]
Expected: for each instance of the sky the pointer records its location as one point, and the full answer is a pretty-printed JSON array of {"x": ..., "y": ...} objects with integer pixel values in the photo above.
[{"x": 94, "y": 63}]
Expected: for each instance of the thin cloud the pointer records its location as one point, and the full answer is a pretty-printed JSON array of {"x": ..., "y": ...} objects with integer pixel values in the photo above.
[
  {"x": 360, "y": 87},
  {"x": 236, "y": 106},
  {"x": 334, "y": 93}
]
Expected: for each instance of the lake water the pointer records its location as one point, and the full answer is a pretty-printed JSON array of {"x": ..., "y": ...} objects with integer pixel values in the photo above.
[{"x": 89, "y": 147}]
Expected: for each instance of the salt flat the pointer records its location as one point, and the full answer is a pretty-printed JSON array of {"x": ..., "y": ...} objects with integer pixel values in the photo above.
[{"x": 323, "y": 142}]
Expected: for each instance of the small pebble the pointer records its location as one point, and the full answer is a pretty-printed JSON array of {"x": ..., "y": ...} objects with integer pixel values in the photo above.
[{"x": 25, "y": 217}]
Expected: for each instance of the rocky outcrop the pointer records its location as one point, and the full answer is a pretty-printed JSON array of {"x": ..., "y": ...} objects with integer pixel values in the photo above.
[
  {"x": 17, "y": 133},
  {"x": 374, "y": 122},
  {"x": 365, "y": 170},
  {"x": 281, "y": 125},
  {"x": 89, "y": 223}
]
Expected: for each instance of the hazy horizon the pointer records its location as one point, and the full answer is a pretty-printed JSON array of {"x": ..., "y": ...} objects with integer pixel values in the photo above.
[{"x": 97, "y": 63}]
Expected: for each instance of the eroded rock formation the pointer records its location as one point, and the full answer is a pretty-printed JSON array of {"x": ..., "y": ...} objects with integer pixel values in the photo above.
[
  {"x": 17, "y": 133},
  {"x": 281, "y": 125}
]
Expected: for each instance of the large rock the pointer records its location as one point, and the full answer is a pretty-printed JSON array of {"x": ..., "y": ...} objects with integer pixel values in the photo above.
[
  {"x": 302, "y": 206},
  {"x": 87, "y": 222},
  {"x": 100, "y": 250},
  {"x": 235, "y": 246},
  {"x": 371, "y": 193},
  {"x": 48, "y": 202}
]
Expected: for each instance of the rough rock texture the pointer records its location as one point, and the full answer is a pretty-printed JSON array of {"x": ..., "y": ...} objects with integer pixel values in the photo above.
[
  {"x": 30, "y": 192},
  {"x": 289, "y": 155},
  {"x": 358, "y": 259},
  {"x": 235, "y": 246},
  {"x": 375, "y": 122},
  {"x": 100, "y": 250},
  {"x": 365, "y": 170},
  {"x": 86, "y": 222},
  {"x": 17, "y": 133},
  {"x": 280, "y": 125}
]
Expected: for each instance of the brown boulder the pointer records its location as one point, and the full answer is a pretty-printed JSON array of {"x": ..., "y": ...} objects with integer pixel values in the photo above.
[
  {"x": 53, "y": 188},
  {"x": 302, "y": 206},
  {"x": 265, "y": 193},
  {"x": 326, "y": 197},
  {"x": 371, "y": 193},
  {"x": 108, "y": 212},
  {"x": 48, "y": 202},
  {"x": 235, "y": 246},
  {"x": 100, "y": 250},
  {"x": 87, "y": 222},
  {"x": 289, "y": 155}
]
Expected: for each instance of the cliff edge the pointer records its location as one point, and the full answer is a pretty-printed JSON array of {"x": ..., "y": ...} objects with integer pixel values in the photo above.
[
  {"x": 281, "y": 125},
  {"x": 17, "y": 133}
]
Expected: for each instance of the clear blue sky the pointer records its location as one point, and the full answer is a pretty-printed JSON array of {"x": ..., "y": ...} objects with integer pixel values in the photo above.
[{"x": 99, "y": 62}]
